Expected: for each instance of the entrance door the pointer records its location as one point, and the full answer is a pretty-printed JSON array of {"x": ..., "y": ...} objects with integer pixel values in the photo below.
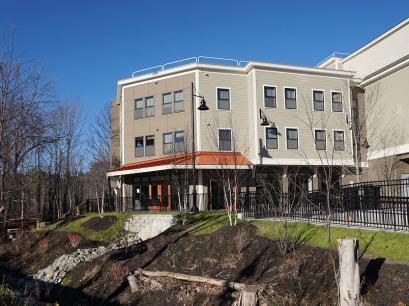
[
  {"x": 405, "y": 186},
  {"x": 217, "y": 195}
]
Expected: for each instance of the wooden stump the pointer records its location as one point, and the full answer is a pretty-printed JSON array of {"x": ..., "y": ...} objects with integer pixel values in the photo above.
[{"x": 349, "y": 279}]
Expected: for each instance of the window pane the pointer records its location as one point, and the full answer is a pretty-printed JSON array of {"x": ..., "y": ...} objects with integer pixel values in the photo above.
[
  {"x": 320, "y": 140},
  {"x": 138, "y": 112},
  {"x": 319, "y": 105},
  {"x": 271, "y": 138},
  {"x": 138, "y": 103},
  {"x": 290, "y": 98},
  {"x": 337, "y": 102},
  {"x": 223, "y": 101},
  {"x": 178, "y": 102},
  {"x": 223, "y": 94},
  {"x": 150, "y": 145},
  {"x": 166, "y": 103},
  {"x": 269, "y": 96},
  {"x": 337, "y": 97},
  {"x": 339, "y": 143},
  {"x": 290, "y": 93},
  {"x": 149, "y": 101},
  {"x": 167, "y": 143},
  {"x": 178, "y": 96},
  {"x": 180, "y": 141},
  {"x": 318, "y": 95},
  {"x": 225, "y": 140},
  {"x": 337, "y": 107},
  {"x": 292, "y": 139},
  {"x": 139, "y": 150}
]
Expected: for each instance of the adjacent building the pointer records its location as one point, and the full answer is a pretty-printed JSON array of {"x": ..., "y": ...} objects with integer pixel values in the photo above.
[{"x": 265, "y": 122}]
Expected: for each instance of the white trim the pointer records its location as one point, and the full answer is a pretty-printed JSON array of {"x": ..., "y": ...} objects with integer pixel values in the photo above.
[
  {"x": 312, "y": 99},
  {"x": 296, "y": 97},
  {"x": 264, "y": 96},
  {"x": 304, "y": 162},
  {"x": 134, "y": 81},
  {"x": 218, "y": 139},
  {"x": 350, "y": 116},
  {"x": 265, "y": 137},
  {"x": 333, "y": 142},
  {"x": 197, "y": 113},
  {"x": 122, "y": 124},
  {"x": 255, "y": 115},
  {"x": 315, "y": 143},
  {"x": 401, "y": 149},
  {"x": 217, "y": 98},
  {"x": 364, "y": 164},
  {"x": 342, "y": 100},
  {"x": 298, "y": 138}
]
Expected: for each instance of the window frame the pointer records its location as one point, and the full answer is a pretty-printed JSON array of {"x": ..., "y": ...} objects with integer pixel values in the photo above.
[
  {"x": 265, "y": 137},
  {"x": 170, "y": 103},
  {"x": 142, "y": 108},
  {"x": 217, "y": 98},
  {"x": 342, "y": 101},
  {"x": 146, "y": 145},
  {"x": 231, "y": 139},
  {"x": 143, "y": 146},
  {"x": 333, "y": 134},
  {"x": 296, "y": 97},
  {"x": 180, "y": 101},
  {"x": 298, "y": 137},
  {"x": 313, "y": 101},
  {"x": 315, "y": 139},
  {"x": 264, "y": 95}
]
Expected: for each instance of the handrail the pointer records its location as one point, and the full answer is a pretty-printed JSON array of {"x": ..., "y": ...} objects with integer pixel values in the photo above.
[
  {"x": 331, "y": 55},
  {"x": 145, "y": 69},
  {"x": 182, "y": 60},
  {"x": 219, "y": 58}
]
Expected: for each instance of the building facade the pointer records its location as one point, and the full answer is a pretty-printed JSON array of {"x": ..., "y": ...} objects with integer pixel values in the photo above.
[{"x": 265, "y": 123}]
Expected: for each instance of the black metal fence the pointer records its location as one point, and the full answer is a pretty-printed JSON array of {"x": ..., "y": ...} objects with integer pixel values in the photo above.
[{"x": 383, "y": 204}]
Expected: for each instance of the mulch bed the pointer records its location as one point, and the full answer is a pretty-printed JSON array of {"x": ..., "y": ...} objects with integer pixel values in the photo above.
[{"x": 99, "y": 224}]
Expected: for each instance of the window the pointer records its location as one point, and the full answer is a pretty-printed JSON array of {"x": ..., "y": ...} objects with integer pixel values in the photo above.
[
  {"x": 150, "y": 145},
  {"x": 166, "y": 103},
  {"x": 271, "y": 138},
  {"x": 337, "y": 102},
  {"x": 139, "y": 150},
  {"x": 270, "y": 96},
  {"x": 138, "y": 112},
  {"x": 318, "y": 100},
  {"x": 320, "y": 140},
  {"x": 180, "y": 141},
  {"x": 178, "y": 101},
  {"x": 224, "y": 140},
  {"x": 167, "y": 143},
  {"x": 292, "y": 139},
  {"x": 290, "y": 98},
  {"x": 149, "y": 107},
  {"x": 223, "y": 98},
  {"x": 339, "y": 141}
]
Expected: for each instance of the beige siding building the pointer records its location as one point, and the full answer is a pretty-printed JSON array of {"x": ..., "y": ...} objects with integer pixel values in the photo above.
[{"x": 264, "y": 121}]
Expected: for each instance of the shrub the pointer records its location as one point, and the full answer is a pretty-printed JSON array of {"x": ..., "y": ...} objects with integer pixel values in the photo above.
[
  {"x": 43, "y": 243},
  {"x": 74, "y": 239}
]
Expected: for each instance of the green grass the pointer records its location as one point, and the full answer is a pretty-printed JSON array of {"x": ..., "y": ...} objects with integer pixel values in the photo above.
[{"x": 389, "y": 245}]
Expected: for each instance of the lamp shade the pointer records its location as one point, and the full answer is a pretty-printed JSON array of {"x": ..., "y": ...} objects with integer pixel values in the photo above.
[
  {"x": 265, "y": 122},
  {"x": 203, "y": 106}
]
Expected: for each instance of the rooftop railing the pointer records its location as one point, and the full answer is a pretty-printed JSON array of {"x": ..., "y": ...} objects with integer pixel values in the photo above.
[{"x": 195, "y": 59}]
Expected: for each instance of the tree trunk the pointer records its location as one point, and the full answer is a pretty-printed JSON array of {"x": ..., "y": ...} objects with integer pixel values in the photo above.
[{"x": 349, "y": 281}]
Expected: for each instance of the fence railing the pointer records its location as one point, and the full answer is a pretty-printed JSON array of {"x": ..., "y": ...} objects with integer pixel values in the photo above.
[{"x": 381, "y": 204}]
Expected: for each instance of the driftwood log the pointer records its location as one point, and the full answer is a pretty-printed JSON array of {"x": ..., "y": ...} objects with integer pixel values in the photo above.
[{"x": 248, "y": 293}]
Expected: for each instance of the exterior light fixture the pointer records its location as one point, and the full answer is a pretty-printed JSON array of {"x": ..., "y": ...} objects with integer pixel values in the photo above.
[
  {"x": 265, "y": 122},
  {"x": 203, "y": 106}
]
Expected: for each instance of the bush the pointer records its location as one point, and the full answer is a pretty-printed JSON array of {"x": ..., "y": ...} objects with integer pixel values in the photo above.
[
  {"x": 43, "y": 244},
  {"x": 74, "y": 239}
]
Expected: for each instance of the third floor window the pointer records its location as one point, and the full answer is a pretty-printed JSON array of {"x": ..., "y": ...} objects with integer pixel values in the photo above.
[
  {"x": 178, "y": 101},
  {"x": 138, "y": 112},
  {"x": 337, "y": 102},
  {"x": 270, "y": 96},
  {"x": 167, "y": 103},
  {"x": 290, "y": 96},
  {"x": 320, "y": 140},
  {"x": 223, "y": 98},
  {"x": 149, "y": 107},
  {"x": 318, "y": 100}
]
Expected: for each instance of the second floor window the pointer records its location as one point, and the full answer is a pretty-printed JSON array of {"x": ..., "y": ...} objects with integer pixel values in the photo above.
[
  {"x": 179, "y": 142},
  {"x": 149, "y": 107},
  {"x": 339, "y": 141},
  {"x": 224, "y": 140},
  {"x": 292, "y": 139},
  {"x": 139, "y": 148},
  {"x": 167, "y": 143},
  {"x": 223, "y": 98},
  {"x": 270, "y": 96},
  {"x": 318, "y": 100},
  {"x": 167, "y": 103},
  {"x": 337, "y": 102},
  {"x": 138, "y": 112},
  {"x": 178, "y": 101},
  {"x": 150, "y": 145},
  {"x": 290, "y": 96},
  {"x": 271, "y": 138},
  {"x": 320, "y": 140}
]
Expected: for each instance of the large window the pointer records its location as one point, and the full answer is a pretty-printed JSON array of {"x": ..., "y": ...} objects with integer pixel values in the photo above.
[
  {"x": 290, "y": 96},
  {"x": 178, "y": 101},
  {"x": 167, "y": 143},
  {"x": 339, "y": 141},
  {"x": 180, "y": 141},
  {"x": 320, "y": 140},
  {"x": 271, "y": 138},
  {"x": 150, "y": 145},
  {"x": 223, "y": 98},
  {"x": 292, "y": 138},
  {"x": 139, "y": 149},
  {"x": 337, "y": 102},
  {"x": 270, "y": 96},
  {"x": 318, "y": 100},
  {"x": 167, "y": 103},
  {"x": 224, "y": 140},
  {"x": 149, "y": 107},
  {"x": 138, "y": 112}
]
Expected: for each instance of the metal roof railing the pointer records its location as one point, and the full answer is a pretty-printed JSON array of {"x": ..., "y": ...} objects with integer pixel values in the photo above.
[{"x": 195, "y": 59}]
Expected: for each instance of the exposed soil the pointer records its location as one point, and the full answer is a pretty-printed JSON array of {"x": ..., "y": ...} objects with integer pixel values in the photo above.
[
  {"x": 99, "y": 224},
  {"x": 301, "y": 277},
  {"x": 70, "y": 219}
]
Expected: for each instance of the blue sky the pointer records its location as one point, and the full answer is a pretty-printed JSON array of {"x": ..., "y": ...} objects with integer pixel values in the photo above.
[{"x": 86, "y": 46}]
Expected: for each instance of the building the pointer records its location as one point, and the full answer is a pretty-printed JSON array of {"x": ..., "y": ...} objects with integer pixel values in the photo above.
[{"x": 290, "y": 125}]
